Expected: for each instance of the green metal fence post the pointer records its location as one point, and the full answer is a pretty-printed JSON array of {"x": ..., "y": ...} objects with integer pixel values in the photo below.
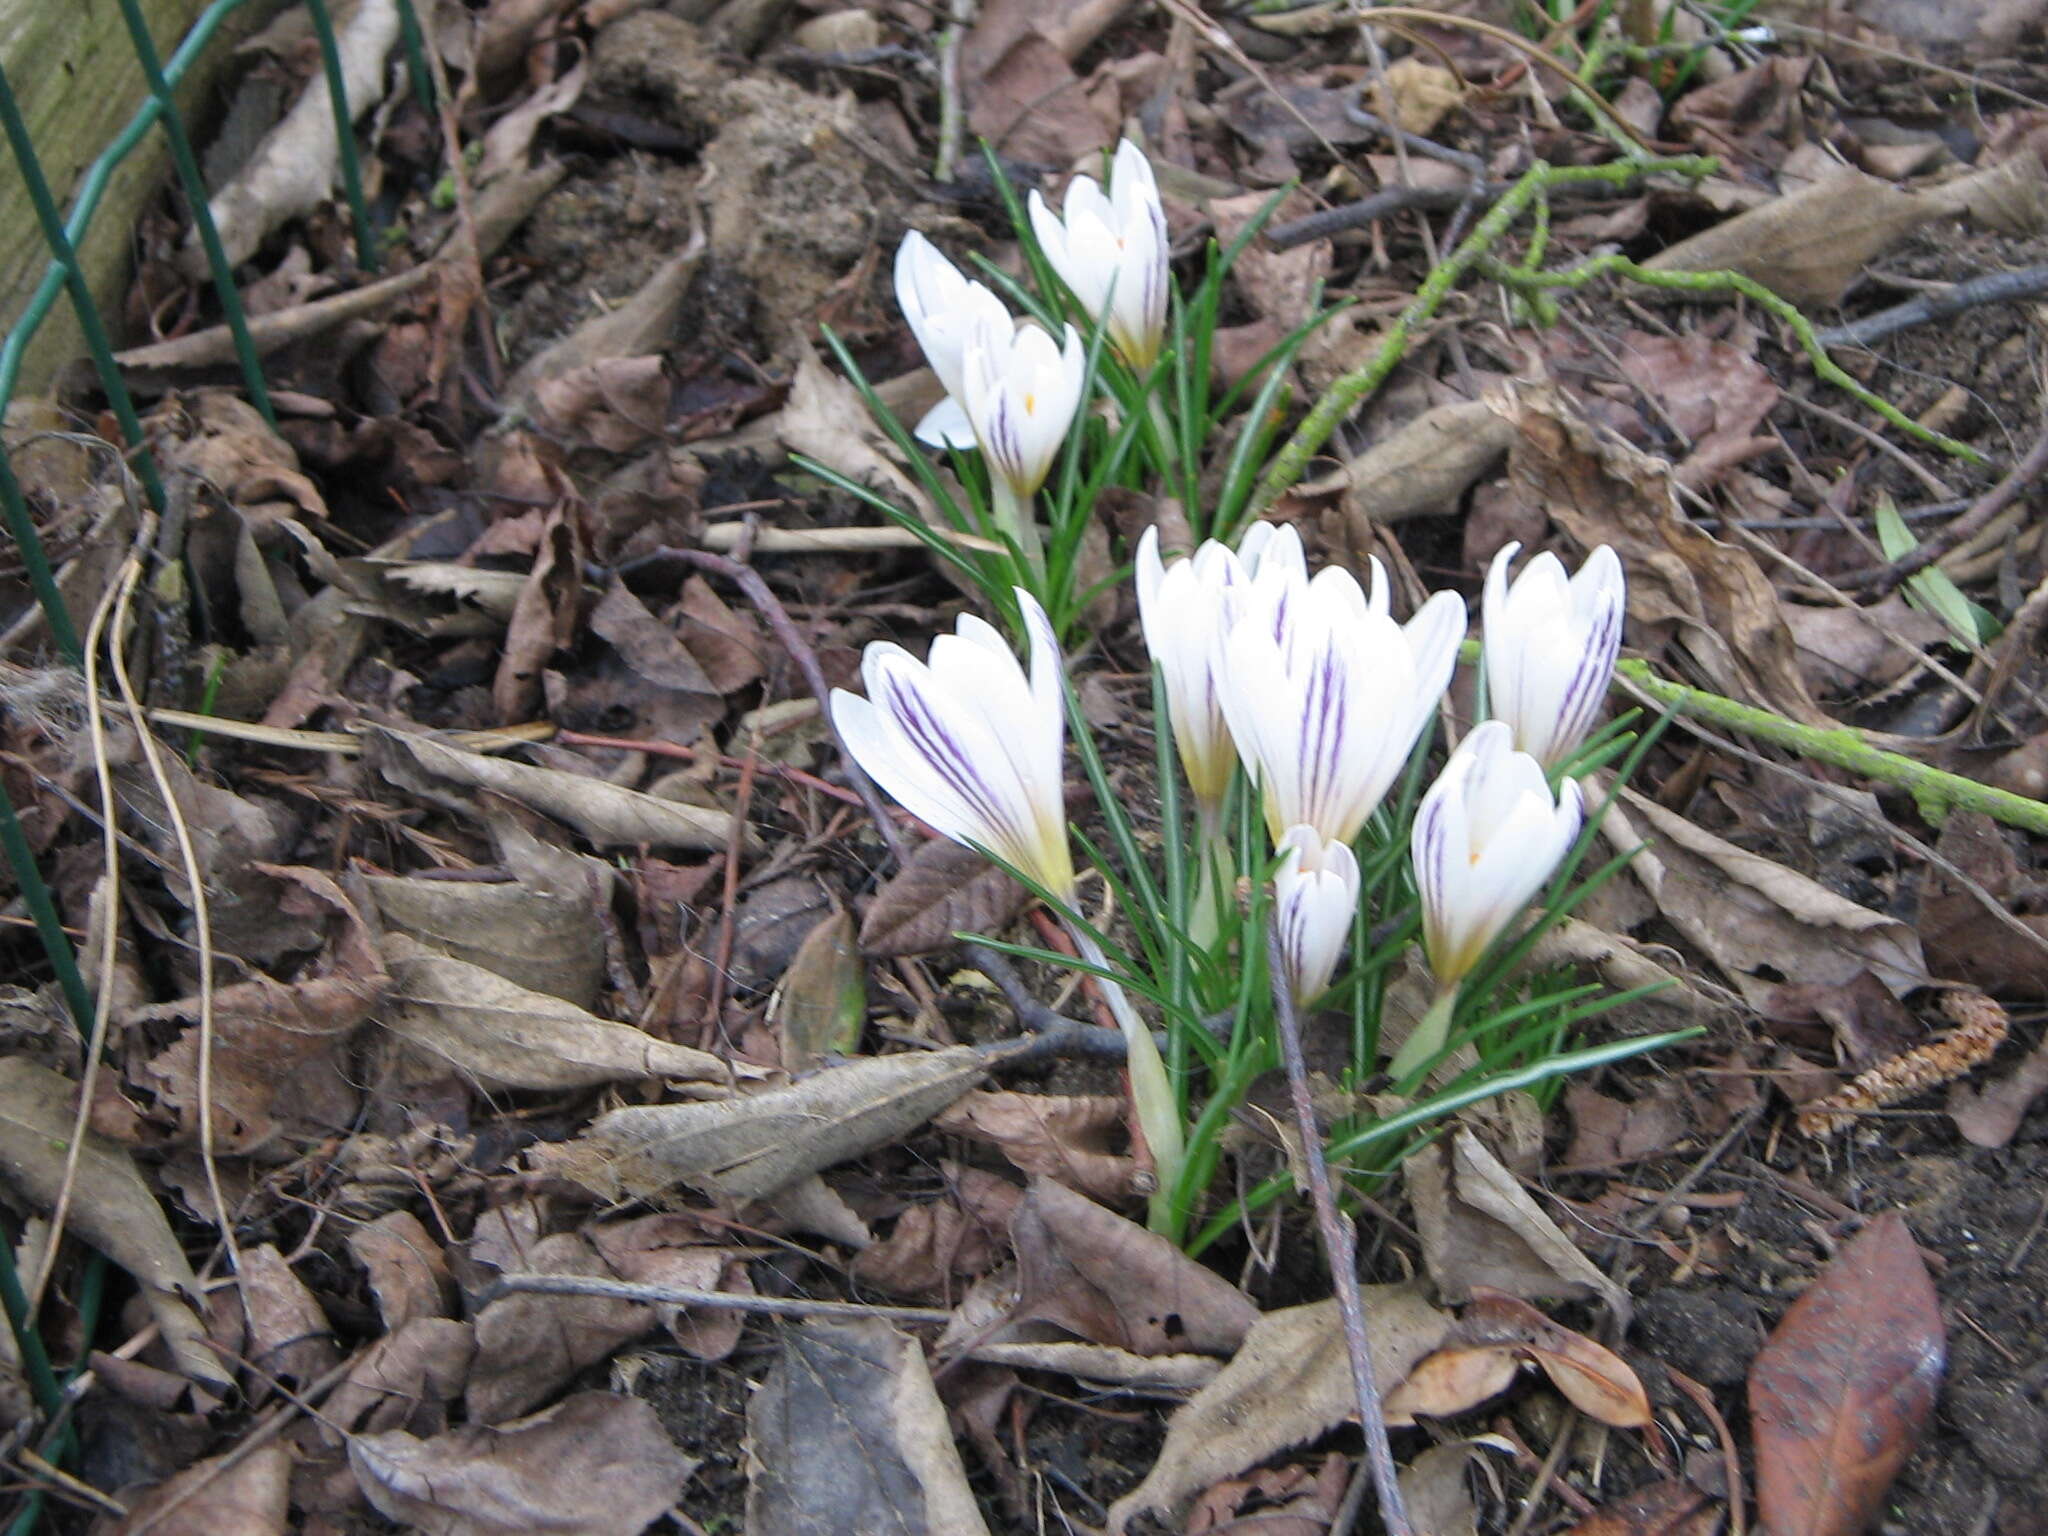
[
  {"x": 345, "y": 136},
  {"x": 202, "y": 215},
  {"x": 416, "y": 54}
]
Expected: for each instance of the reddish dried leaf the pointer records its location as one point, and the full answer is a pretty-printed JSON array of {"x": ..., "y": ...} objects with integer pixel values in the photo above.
[
  {"x": 1451, "y": 1381},
  {"x": 1668, "y": 1508},
  {"x": 1478, "y": 1360},
  {"x": 1843, "y": 1387},
  {"x": 942, "y": 889}
]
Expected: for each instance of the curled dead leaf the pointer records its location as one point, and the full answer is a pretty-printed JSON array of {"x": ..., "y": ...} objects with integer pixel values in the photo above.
[
  {"x": 750, "y": 1147},
  {"x": 503, "y": 1036}
]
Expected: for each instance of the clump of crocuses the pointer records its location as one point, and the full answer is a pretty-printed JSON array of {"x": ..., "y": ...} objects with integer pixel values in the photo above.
[{"x": 1298, "y": 688}]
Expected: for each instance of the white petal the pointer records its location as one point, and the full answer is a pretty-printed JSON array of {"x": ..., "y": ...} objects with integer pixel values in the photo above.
[{"x": 946, "y": 425}]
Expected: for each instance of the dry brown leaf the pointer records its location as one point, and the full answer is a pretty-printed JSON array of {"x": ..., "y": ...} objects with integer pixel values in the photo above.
[
  {"x": 619, "y": 404},
  {"x": 1708, "y": 598},
  {"x": 1845, "y": 1385},
  {"x": 536, "y": 937},
  {"x": 1810, "y": 246},
  {"x": 231, "y": 1495},
  {"x": 405, "y": 1380},
  {"x": 503, "y": 1036},
  {"x": 638, "y": 328},
  {"x": 111, "y": 1207},
  {"x": 1420, "y": 468},
  {"x": 1480, "y": 1229},
  {"x": 235, "y": 837},
  {"x": 2010, "y": 196},
  {"x": 1596, "y": 1380},
  {"x": 1990, "y": 1116},
  {"x": 407, "y": 1270},
  {"x": 748, "y": 1148},
  {"x": 1747, "y": 912},
  {"x": 295, "y": 168},
  {"x": 1667, "y": 1508},
  {"x": 1963, "y": 941},
  {"x": 1088, "y": 1271},
  {"x": 1438, "y": 1492},
  {"x": 1448, "y": 1382},
  {"x": 848, "y": 1434},
  {"x": 1065, "y": 1137},
  {"x": 1844, "y": 649},
  {"x": 601, "y": 811},
  {"x": 1289, "y": 1382},
  {"x": 963, "y": 1233},
  {"x": 644, "y": 643},
  {"x": 528, "y": 1344},
  {"x": 1170, "y": 1374},
  {"x": 546, "y": 615},
  {"x": 288, "y": 1340},
  {"x": 668, "y": 1249},
  {"x": 596, "y": 1464},
  {"x": 827, "y": 420},
  {"x": 435, "y": 598},
  {"x": 277, "y": 1046},
  {"x": 822, "y": 1001},
  {"x": 942, "y": 889}
]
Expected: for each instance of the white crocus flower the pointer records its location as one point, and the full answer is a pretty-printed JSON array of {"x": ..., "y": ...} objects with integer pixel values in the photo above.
[
  {"x": 1020, "y": 389},
  {"x": 973, "y": 747},
  {"x": 944, "y": 308},
  {"x": 1186, "y": 610},
  {"x": 1326, "y": 694},
  {"x": 1550, "y": 645},
  {"x": 1316, "y": 897},
  {"x": 1111, "y": 249},
  {"x": 1488, "y": 834},
  {"x": 968, "y": 744}
]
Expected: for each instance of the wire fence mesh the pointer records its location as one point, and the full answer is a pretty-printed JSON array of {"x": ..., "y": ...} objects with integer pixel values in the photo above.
[{"x": 63, "y": 230}]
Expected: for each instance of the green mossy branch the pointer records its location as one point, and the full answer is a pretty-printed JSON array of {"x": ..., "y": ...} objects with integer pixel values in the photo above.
[
  {"x": 1935, "y": 792},
  {"x": 1338, "y": 400},
  {"x": 1614, "y": 265},
  {"x": 1533, "y": 189}
]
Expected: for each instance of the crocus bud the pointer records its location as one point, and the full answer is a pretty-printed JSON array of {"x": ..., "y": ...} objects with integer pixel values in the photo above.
[
  {"x": 968, "y": 744},
  {"x": 1112, "y": 251},
  {"x": 1550, "y": 645},
  {"x": 1487, "y": 835},
  {"x": 1316, "y": 895},
  {"x": 1021, "y": 389},
  {"x": 944, "y": 308},
  {"x": 1326, "y": 694},
  {"x": 1186, "y": 610}
]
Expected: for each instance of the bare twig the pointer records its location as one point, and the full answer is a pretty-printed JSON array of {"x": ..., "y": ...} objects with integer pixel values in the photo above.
[
  {"x": 749, "y": 581},
  {"x": 1998, "y": 288},
  {"x": 685, "y": 1296},
  {"x": 1884, "y": 578},
  {"x": 1340, "y": 1251}
]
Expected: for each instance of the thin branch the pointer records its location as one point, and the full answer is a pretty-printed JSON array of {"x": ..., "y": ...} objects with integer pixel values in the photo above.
[
  {"x": 1884, "y": 578},
  {"x": 1340, "y": 1251},
  {"x": 769, "y": 606},
  {"x": 1998, "y": 288},
  {"x": 687, "y": 1296}
]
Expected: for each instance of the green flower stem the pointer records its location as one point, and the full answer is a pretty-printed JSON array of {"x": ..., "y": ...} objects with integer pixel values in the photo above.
[
  {"x": 1151, "y": 1092},
  {"x": 1342, "y": 397},
  {"x": 1014, "y": 517},
  {"x": 1428, "y": 1038},
  {"x": 1215, "y": 874},
  {"x": 1525, "y": 281},
  {"x": 1936, "y": 792}
]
